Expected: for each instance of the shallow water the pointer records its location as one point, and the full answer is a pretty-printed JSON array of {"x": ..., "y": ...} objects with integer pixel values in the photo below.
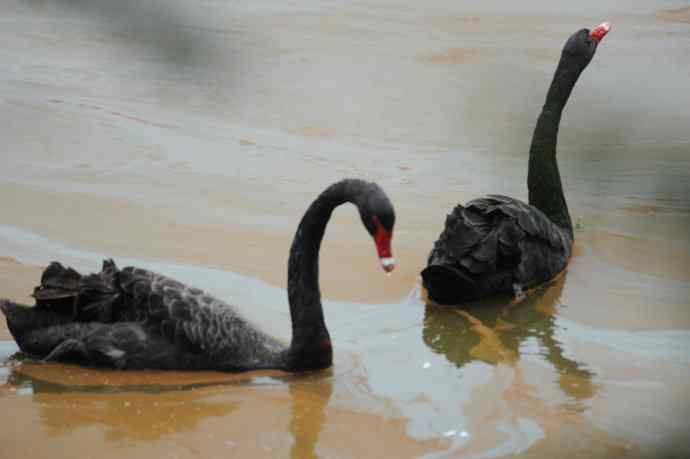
[{"x": 188, "y": 137}]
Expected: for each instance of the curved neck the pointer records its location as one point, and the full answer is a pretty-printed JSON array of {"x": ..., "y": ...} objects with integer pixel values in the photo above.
[
  {"x": 310, "y": 347},
  {"x": 544, "y": 179}
]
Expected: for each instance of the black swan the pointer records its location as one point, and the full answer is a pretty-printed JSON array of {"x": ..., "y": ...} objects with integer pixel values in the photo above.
[
  {"x": 497, "y": 244},
  {"x": 137, "y": 319}
]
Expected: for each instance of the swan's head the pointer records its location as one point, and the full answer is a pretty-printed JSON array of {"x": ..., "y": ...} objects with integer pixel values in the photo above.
[
  {"x": 582, "y": 45},
  {"x": 378, "y": 218}
]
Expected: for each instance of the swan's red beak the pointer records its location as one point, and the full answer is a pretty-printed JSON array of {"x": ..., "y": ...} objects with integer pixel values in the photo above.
[
  {"x": 600, "y": 31},
  {"x": 382, "y": 238}
]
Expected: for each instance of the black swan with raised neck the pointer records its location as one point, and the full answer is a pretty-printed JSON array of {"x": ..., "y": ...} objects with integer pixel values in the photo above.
[
  {"x": 137, "y": 319},
  {"x": 500, "y": 245}
]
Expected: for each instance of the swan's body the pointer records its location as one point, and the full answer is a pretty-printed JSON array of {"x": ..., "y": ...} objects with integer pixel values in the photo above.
[
  {"x": 491, "y": 245},
  {"x": 134, "y": 318},
  {"x": 144, "y": 320},
  {"x": 496, "y": 244}
]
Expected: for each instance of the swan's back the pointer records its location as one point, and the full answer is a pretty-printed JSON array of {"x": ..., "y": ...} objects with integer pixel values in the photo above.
[
  {"x": 490, "y": 245},
  {"x": 134, "y": 318}
]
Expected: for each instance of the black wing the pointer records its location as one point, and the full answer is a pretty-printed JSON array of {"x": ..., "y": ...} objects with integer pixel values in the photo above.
[
  {"x": 495, "y": 242},
  {"x": 186, "y": 316}
]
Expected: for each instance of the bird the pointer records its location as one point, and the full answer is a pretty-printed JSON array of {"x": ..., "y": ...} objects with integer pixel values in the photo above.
[
  {"x": 498, "y": 244},
  {"x": 133, "y": 318}
]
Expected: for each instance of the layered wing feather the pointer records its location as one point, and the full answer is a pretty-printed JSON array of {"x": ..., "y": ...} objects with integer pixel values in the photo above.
[
  {"x": 497, "y": 241},
  {"x": 187, "y": 317}
]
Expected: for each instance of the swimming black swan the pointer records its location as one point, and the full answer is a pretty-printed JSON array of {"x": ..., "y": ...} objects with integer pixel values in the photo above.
[
  {"x": 136, "y": 319},
  {"x": 497, "y": 244}
]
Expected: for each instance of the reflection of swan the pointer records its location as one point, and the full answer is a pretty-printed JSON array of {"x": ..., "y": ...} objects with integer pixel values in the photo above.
[
  {"x": 136, "y": 319},
  {"x": 124, "y": 413},
  {"x": 144, "y": 406},
  {"x": 494, "y": 331},
  {"x": 310, "y": 396}
]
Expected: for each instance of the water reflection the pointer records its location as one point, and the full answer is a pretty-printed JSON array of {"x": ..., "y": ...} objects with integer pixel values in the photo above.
[
  {"x": 496, "y": 331},
  {"x": 309, "y": 397},
  {"x": 151, "y": 406},
  {"x": 125, "y": 411}
]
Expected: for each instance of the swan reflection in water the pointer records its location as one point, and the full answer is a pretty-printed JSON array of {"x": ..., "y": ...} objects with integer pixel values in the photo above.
[
  {"x": 207, "y": 412},
  {"x": 494, "y": 331},
  {"x": 309, "y": 399}
]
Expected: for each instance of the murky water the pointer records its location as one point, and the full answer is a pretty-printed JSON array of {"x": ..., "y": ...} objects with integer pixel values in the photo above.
[{"x": 189, "y": 137}]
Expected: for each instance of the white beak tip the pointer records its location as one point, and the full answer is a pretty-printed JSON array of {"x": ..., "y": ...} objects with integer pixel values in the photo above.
[{"x": 388, "y": 264}]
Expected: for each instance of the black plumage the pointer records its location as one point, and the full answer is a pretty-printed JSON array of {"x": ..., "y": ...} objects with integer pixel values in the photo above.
[
  {"x": 491, "y": 245},
  {"x": 134, "y": 318},
  {"x": 497, "y": 244}
]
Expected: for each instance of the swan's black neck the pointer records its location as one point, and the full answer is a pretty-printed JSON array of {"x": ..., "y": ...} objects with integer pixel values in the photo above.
[
  {"x": 311, "y": 346},
  {"x": 544, "y": 180}
]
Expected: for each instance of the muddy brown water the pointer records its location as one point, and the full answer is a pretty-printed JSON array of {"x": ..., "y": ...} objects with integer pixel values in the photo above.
[{"x": 189, "y": 137}]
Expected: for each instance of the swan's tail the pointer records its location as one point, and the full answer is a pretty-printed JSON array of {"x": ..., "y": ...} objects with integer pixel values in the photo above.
[
  {"x": 44, "y": 333},
  {"x": 64, "y": 301},
  {"x": 55, "y": 300},
  {"x": 22, "y": 319}
]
